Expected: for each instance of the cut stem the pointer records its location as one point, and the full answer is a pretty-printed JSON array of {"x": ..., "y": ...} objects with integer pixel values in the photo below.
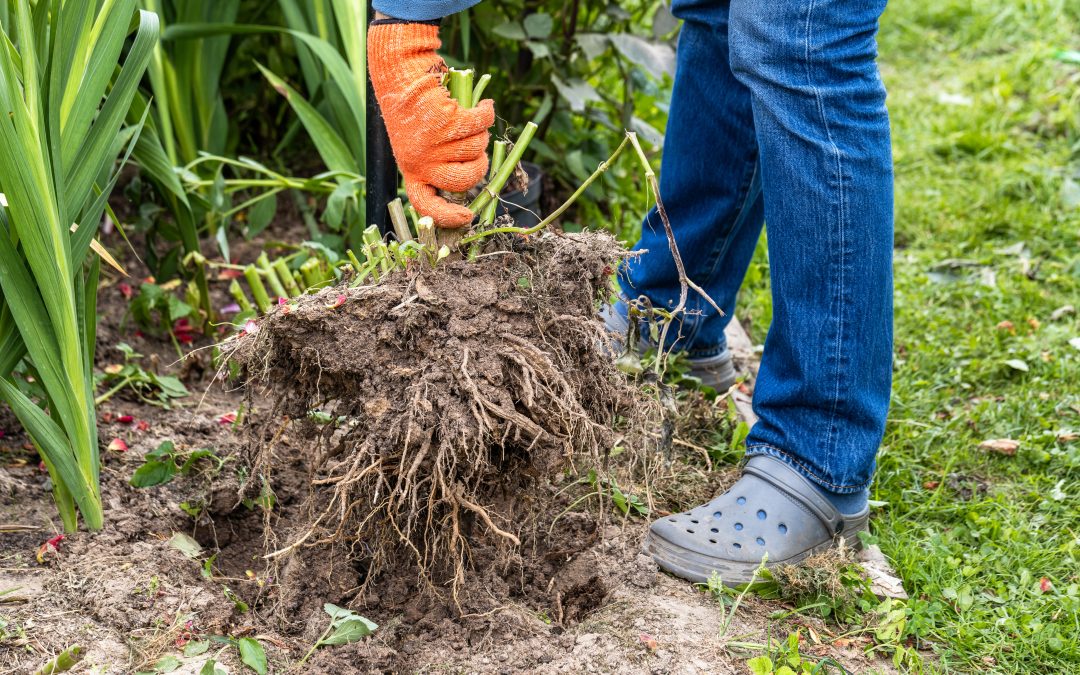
[
  {"x": 285, "y": 275},
  {"x": 460, "y": 84},
  {"x": 478, "y": 90},
  {"x": 267, "y": 270},
  {"x": 240, "y": 296},
  {"x": 401, "y": 224},
  {"x": 258, "y": 290}
]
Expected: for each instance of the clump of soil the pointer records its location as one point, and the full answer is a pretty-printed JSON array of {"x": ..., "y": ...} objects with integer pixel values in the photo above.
[{"x": 441, "y": 394}]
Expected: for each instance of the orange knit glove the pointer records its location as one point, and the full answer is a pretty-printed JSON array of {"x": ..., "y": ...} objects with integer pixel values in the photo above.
[{"x": 437, "y": 143}]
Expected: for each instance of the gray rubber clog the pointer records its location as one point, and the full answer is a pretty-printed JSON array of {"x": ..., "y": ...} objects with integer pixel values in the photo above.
[
  {"x": 716, "y": 371},
  {"x": 771, "y": 508}
]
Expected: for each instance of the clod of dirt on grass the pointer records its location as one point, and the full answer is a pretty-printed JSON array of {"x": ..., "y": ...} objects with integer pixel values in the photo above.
[{"x": 442, "y": 394}]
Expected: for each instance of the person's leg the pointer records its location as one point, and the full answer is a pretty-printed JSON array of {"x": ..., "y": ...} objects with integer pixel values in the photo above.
[
  {"x": 822, "y": 393},
  {"x": 709, "y": 183},
  {"x": 823, "y": 389}
]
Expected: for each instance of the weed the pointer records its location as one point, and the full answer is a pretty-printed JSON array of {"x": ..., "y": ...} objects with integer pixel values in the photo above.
[
  {"x": 724, "y": 594},
  {"x": 345, "y": 627},
  {"x": 785, "y": 659},
  {"x": 164, "y": 462},
  {"x": 148, "y": 387}
]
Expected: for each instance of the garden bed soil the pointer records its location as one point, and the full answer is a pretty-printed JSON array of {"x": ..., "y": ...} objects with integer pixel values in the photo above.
[{"x": 576, "y": 596}]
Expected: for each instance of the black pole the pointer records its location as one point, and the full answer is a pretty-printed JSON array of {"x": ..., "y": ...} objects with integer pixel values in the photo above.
[{"x": 380, "y": 171}]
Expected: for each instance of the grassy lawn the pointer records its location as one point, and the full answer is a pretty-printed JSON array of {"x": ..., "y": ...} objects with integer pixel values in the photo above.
[{"x": 986, "y": 132}]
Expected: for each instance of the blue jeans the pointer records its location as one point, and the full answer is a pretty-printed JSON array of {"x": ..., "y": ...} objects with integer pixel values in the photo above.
[{"x": 778, "y": 115}]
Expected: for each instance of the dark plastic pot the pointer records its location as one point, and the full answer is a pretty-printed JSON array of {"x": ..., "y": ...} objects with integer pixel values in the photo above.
[{"x": 524, "y": 208}]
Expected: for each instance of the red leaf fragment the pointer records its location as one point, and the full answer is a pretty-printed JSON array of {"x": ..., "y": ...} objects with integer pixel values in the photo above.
[
  {"x": 50, "y": 547},
  {"x": 338, "y": 302},
  {"x": 649, "y": 641},
  {"x": 250, "y": 328},
  {"x": 125, "y": 290},
  {"x": 125, "y": 419},
  {"x": 118, "y": 445},
  {"x": 229, "y": 273},
  {"x": 184, "y": 331},
  {"x": 142, "y": 425},
  {"x": 227, "y": 418},
  {"x": 1045, "y": 586}
]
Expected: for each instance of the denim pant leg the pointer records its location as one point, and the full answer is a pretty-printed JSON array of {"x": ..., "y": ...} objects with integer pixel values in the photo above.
[
  {"x": 709, "y": 182},
  {"x": 826, "y": 171}
]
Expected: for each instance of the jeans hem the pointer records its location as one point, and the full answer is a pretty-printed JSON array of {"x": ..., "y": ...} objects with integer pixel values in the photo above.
[{"x": 804, "y": 470}]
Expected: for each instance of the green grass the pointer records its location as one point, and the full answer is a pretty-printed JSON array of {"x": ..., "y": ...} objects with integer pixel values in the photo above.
[{"x": 986, "y": 133}]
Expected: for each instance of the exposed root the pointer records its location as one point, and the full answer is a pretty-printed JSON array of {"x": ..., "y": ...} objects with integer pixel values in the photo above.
[{"x": 450, "y": 391}]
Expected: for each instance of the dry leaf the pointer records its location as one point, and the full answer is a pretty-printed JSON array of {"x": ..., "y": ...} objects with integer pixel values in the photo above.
[{"x": 1004, "y": 446}]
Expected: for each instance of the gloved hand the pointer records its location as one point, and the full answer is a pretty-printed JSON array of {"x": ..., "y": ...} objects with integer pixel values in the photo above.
[{"x": 437, "y": 143}]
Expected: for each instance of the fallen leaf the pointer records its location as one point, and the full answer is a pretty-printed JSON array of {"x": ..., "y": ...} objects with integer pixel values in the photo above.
[
  {"x": 113, "y": 369},
  {"x": 1004, "y": 446},
  {"x": 142, "y": 425},
  {"x": 931, "y": 485},
  {"x": 118, "y": 445},
  {"x": 1066, "y": 436},
  {"x": 227, "y": 418},
  {"x": 1006, "y": 325},
  {"x": 1062, "y": 311},
  {"x": 125, "y": 419},
  {"x": 125, "y": 290},
  {"x": 1034, "y": 323},
  {"x": 1045, "y": 586},
  {"x": 228, "y": 273},
  {"x": 1019, "y": 364},
  {"x": 649, "y": 641}
]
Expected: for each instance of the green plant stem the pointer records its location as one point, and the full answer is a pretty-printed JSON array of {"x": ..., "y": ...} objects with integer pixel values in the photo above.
[
  {"x": 478, "y": 90},
  {"x": 111, "y": 392},
  {"x": 460, "y": 84},
  {"x": 286, "y": 277},
  {"x": 238, "y": 294},
  {"x": 397, "y": 217},
  {"x": 267, "y": 270},
  {"x": 495, "y": 186},
  {"x": 559, "y": 211},
  {"x": 498, "y": 157},
  {"x": 258, "y": 290}
]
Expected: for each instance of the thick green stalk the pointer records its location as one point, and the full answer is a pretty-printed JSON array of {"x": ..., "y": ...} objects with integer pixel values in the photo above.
[
  {"x": 498, "y": 156},
  {"x": 283, "y": 273},
  {"x": 258, "y": 290},
  {"x": 240, "y": 296},
  {"x": 267, "y": 270},
  {"x": 460, "y": 84}
]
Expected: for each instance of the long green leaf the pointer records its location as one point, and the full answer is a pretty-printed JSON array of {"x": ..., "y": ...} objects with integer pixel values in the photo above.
[{"x": 331, "y": 147}]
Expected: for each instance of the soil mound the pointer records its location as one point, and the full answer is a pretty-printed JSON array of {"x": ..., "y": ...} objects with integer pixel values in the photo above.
[{"x": 431, "y": 400}]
